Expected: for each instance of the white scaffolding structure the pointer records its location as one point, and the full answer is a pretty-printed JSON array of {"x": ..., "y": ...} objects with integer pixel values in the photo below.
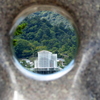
[{"x": 46, "y": 60}]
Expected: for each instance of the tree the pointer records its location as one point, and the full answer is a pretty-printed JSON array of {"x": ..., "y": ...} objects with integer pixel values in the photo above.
[
  {"x": 23, "y": 48},
  {"x": 19, "y": 29}
]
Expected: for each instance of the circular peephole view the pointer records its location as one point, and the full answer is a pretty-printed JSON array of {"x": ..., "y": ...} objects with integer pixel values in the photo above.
[{"x": 45, "y": 42}]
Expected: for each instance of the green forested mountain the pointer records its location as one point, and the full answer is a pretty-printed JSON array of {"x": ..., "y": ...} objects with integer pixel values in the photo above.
[
  {"x": 35, "y": 34},
  {"x": 53, "y": 17}
]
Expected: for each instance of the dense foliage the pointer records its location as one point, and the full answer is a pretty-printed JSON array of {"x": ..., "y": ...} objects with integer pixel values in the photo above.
[
  {"x": 35, "y": 34},
  {"x": 53, "y": 17}
]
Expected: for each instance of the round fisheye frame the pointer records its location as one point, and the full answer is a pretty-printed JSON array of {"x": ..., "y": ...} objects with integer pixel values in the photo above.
[{"x": 44, "y": 42}]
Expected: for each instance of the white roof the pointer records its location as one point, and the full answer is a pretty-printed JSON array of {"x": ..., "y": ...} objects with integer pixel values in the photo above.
[
  {"x": 44, "y": 51},
  {"x": 60, "y": 59}
]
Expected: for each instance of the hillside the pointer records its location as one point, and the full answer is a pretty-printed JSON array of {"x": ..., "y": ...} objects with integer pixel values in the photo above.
[
  {"x": 53, "y": 18},
  {"x": 35, "y": 34}
]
